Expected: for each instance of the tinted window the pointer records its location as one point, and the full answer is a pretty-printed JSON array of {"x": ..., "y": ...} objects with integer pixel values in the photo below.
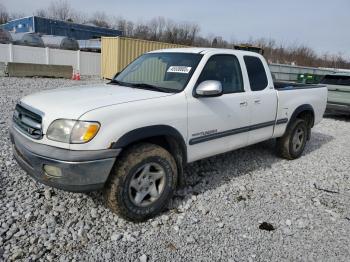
[
  {"x": 227, "y": 70},
  {"x": 256, "y": 73},
  {"x": 336, "y": 80}
]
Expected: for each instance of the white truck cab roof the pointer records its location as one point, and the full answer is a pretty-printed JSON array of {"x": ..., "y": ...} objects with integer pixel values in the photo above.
[{"x": 205, "y": 50}]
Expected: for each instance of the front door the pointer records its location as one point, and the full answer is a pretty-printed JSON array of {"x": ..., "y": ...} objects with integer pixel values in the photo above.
[{"x": 217, "y": 124}]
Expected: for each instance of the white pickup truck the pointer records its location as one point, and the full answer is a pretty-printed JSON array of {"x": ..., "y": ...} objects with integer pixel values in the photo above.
[{"x": 132, "y": 136}]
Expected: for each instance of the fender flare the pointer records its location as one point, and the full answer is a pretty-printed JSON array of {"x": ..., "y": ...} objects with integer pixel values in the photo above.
[
  {"x": 300, "y": 109},
  {"x": 297, "y": 111},
  {"x": 149, "y": 132}
]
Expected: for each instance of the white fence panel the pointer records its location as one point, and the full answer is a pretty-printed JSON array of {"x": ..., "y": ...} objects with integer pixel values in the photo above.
[
  {"x": 28, "y": 54},
  {"x": 90, "y": 63},
  {"x": 4, "y": 53},
  {"x": 87, "y": 63},
  {"x": 63, "y": 57}
]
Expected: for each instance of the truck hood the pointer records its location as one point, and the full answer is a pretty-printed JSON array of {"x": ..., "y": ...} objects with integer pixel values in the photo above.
[{"x": 73, "y": 102}]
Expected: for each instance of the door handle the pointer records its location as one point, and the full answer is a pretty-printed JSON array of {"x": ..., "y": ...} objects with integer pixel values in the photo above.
[
  {"x": 258, "y": 101},
  {"x": 242, "y": 104}
]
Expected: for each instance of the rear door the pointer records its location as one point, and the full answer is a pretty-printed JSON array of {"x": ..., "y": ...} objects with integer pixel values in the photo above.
[
  {"x": 262, "y": 100},
  {"x": 218, "y": 124}
]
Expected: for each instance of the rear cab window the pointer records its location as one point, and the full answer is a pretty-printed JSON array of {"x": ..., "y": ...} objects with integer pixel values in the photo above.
[{"x": 256, "y": 73}]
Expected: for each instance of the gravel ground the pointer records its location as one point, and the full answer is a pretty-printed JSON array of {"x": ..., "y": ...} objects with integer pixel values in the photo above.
[{"x": 247, "y": 205}]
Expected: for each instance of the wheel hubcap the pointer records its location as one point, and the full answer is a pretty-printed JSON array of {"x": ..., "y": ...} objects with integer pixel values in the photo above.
[
  {"x": 147, "y": 184},
  {"x": 298, "y": 139}
]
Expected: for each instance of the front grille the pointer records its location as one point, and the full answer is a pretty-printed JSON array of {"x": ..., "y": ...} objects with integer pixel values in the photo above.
[{"x": 28, "y": 122}]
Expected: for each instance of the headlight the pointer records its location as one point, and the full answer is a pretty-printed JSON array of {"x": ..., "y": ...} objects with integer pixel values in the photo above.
[
  {"x": 72, "y": 131},
  {"x": 83, "y": 132}
]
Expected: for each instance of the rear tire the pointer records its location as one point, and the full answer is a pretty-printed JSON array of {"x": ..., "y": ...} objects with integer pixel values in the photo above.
[
  {"x": 292, "y": 144},
  {"x": 142, "y": 182}
]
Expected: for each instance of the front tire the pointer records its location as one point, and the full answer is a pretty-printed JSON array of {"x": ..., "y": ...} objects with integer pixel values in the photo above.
[
  {"x": 292, "y": 144},
  {"x": 142, "y": 182}
]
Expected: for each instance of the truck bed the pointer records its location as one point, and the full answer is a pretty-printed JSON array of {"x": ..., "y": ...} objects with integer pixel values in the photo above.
[
  {"x": 281, "y": 86},
  {"x": 291, "y": 96}
]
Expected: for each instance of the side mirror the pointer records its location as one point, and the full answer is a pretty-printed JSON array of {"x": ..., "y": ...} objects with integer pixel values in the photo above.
[{"x": 209, "y": 88}]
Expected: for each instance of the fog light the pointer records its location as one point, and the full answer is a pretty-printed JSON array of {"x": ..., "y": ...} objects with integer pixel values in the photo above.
[{"x": 52, "y": 171}]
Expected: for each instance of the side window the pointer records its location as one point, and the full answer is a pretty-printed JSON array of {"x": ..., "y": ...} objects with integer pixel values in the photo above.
[
  {"x": 256, "y": 73},
  {"x": 227, "y": 70},
  {"x": 343, "y": 80}
]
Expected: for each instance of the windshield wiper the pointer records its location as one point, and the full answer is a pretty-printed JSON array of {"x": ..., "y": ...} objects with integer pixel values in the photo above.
[
  {"x": 142, "y": 85},
  {"x": 113, "y": 81},
  {"x": 152, "y": 87}
]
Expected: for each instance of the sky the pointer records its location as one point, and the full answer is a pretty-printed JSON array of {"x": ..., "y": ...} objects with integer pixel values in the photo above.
[{"x": 322, "y": 25}]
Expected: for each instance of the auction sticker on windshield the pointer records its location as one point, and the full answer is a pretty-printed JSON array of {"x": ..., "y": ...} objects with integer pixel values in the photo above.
[{"x": 179, "y": 69}]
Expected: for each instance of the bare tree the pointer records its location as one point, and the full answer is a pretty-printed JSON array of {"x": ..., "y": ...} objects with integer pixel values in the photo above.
[
  {"x": 118, "y": 22},
  {"x": 60, "y": 9},
  {"x": 166, "y": 30},
  {"x": 122, "y": 24},
  {"x": 4, "y": 15},
  {"x": 129, "y": 30},
  {"x": 17, "y": 15},
  {"x": 100, "y": 19},
  {"x": 202, "y": 41},
  {"x": 298, "y": 54},
  {"x": 156, "y": 27},
  {"x": 41, "y": 12},
  {"x": 79, "y": 17},
  {"x": 194, "y": 31},
  {"x": 142, "y": 31}
]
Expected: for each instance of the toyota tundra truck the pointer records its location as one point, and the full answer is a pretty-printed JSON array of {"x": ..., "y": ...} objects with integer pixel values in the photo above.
[{"x": 132, "y": 137}]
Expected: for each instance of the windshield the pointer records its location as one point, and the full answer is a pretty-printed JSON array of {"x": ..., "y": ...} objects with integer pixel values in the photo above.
[
  {"x": 342, "y": 80},
  {"x": 167, "y": 72}
]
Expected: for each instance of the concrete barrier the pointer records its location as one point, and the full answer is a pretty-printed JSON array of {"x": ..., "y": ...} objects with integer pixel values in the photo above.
[
  {"x": 3, "y": 69},
  {"x": 40, "y": 70}
]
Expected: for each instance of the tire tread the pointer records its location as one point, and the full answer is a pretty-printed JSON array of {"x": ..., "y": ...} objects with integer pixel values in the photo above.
[
  {"x": 283, "y": 143},
  {"x": 126, "y": 161}
]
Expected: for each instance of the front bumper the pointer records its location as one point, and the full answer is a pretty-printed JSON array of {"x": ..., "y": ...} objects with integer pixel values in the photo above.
[
  {"x": 338, "y": 108},
  {"x": 81, "y": 171}
]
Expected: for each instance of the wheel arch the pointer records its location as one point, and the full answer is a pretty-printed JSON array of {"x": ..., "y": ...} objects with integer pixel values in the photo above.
[
  {"x": 305, "y": 112},
  {"x": 163, "y": 135}
]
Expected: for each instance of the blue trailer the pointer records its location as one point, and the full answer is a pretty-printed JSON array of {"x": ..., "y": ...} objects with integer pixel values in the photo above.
[{"x": 46, "y": 26}]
